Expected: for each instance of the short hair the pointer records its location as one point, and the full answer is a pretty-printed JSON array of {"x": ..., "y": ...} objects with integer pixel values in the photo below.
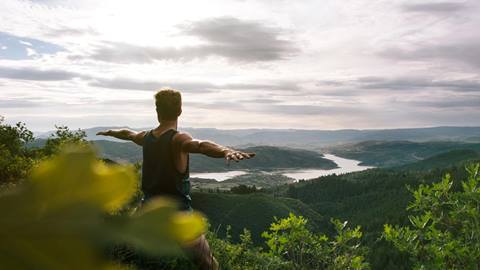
[{"x": 168, "y": 103}]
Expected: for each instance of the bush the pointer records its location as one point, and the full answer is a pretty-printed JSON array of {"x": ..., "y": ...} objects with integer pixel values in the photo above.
[
  {"x": 243, "y": 255},
  {"x": 289, "y": 239},
  {"x": 444, "y": 233}
]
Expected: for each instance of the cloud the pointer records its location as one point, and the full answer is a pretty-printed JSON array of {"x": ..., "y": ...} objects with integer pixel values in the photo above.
[
  {"x": 198, "y": 87},
  {"x": 278, "y": 108},
  {"x": 468, "y": 102},
  {"x": 231, "y": 38},
  {"x": 132, "y": 84},
  {"x": 261, "y": 101},
  {"x": 18, "y": 103},
  {"x": 354, "y": 87},
  {"x": 242, "y": 40},
  {"x": 21, "y": 48},
  {"x": 70, "y": 31},
  {"x": 438, "y": 7},
  {"x": 33, "y": 74},
  {"x": 290, "y": 86},
  {"x": 287, "y": 109},
  {"x": 467, "y": 52},
  {"x": 124, "y": 53},
  {"x": 412, "y": 83}
]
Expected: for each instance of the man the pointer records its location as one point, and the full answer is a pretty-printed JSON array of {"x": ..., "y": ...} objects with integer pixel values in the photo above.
[{"x": 165, "y": 169}]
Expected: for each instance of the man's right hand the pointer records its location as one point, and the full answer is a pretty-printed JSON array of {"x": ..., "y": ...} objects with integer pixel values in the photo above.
[{"x": 231, "y": 154}]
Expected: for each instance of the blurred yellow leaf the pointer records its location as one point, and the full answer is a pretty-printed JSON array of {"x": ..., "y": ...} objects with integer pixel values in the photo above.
[
  {"x": 77, "y": 176},
  {"x": 160, "y": 228},
  {"x": 57, "y": 220}
]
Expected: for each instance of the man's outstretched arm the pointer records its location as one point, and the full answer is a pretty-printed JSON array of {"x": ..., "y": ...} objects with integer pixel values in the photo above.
[
  {"x": 125, "y": 134},
  {"x": 208, "y": 148}
]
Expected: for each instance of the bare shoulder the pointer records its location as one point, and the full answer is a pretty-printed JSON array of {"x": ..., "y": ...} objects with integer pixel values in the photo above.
[
  {"x": 138, "y": 137},
  {"x": 182, "y": 137}
]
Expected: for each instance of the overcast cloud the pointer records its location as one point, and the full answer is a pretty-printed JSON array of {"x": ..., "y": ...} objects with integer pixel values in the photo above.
[
  {"x": 228, "y": 37},
  {"x": 242, "y": 64}
]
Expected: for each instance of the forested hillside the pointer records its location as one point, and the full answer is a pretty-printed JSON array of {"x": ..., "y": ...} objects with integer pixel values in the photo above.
[
  {"x": 253, "y": 212},
  {"x": 395, "y": 153},
  {"x": 378, "y": 196},
  {"x": 258, "y": 180}
]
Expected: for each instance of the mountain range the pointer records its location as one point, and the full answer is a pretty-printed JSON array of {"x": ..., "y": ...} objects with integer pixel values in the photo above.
[{"x": 309, "y": 139}]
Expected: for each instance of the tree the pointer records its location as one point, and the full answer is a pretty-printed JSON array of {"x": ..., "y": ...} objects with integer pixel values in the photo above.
[
  {"x": 63, "y": 136},
  {"x": 15, "y": 159},
  {"x": 243, "y": 189},
  {"x": 444, "y": 232}
]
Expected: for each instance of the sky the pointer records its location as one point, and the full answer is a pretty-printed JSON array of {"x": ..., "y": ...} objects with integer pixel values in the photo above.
[{"x": 349, "y": 64}]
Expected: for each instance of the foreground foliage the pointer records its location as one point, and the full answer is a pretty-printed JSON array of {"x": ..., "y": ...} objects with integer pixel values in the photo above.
[
  {"x": 290, "y": 239},
  {"x": 57, "y": 219},
  {"x": 445, "y": 231},
  {"x": 290, "y": 245}
]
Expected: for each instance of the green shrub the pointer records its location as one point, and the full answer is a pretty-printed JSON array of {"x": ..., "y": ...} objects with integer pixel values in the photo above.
[
  {"x": 289, "y": 238},
  {"x": 444, "y": 232},
  {"x": 243, "y": 255}
]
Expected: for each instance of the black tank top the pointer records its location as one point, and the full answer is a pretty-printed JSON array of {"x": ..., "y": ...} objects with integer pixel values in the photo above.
[{"x": 160, "y": 177}]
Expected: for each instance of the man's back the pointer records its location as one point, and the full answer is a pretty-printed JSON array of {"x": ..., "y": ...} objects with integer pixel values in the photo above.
[
  {"x": 165, "y": 161},
  {"x": 160, "y": 175}
]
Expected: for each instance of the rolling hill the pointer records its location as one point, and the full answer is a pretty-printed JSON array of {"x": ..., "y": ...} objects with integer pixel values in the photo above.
[
  {"x": 396, "y": 153},
  {"x": 443, "y": 160},
  {"x": 268, "y": 158}
]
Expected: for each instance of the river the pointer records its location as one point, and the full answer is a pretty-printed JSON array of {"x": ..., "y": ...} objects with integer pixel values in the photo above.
[{"x": 344, "y": 166}]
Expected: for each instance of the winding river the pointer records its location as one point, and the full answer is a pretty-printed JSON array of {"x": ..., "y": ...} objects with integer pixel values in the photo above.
[{"x": 344, "y": 166}]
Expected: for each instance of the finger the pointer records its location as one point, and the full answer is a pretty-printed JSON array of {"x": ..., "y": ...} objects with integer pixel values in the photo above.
[
  {"x": 245, "y": 155},
  {"x": 227, "y": 160},
  {"x": 251, "y": 154},
  {"x": 234, "y": 157},
  {"x": 239, "y": 156}
]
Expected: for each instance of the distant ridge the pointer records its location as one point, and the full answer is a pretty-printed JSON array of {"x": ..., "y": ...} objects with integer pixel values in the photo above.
[{"x": 312, "y": 138}]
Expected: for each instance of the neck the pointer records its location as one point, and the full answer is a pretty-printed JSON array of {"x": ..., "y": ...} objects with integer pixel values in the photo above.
[{"x": 168, "y": 124}]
